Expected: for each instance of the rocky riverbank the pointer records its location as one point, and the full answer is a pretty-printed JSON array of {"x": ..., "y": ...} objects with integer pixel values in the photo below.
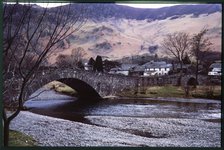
[{"x": 119, "y": 131}]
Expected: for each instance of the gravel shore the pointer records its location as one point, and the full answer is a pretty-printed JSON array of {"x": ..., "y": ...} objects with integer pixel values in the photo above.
[{"x": 119, "y": 131}]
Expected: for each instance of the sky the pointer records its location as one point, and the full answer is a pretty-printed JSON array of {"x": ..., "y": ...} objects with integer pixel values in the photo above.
[
  {"x": 132, "y": 5},
  {"x": 149, "y": 5}
]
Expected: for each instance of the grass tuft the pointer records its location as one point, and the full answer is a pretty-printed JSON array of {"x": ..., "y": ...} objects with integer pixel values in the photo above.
[{"x": 19, "y": 139}]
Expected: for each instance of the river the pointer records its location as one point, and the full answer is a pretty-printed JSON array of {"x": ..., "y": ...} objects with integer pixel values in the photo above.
[
  {"x": 62, "y": 106},
  {"x": 165, "y": 121}
]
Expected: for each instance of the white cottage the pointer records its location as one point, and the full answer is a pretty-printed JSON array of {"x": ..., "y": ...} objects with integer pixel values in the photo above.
[
  {"x": 215, "y": 69},
  {"x": 156, "y": 68}
]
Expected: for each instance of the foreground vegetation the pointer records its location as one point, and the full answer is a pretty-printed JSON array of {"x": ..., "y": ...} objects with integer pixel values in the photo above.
[
  {"x": 207, "y": 92},
  {"x": 19, "y": 139}
]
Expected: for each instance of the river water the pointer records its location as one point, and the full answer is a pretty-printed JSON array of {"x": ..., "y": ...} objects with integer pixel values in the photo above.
[
  {"x": 61, "y": 106},
  {"x": 159, "y": 122}
]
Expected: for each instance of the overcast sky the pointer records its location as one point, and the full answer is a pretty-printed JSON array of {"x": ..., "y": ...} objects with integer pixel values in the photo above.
[
  {"x": 149, "y": 5},
  {"x": 132, "y": 5}
]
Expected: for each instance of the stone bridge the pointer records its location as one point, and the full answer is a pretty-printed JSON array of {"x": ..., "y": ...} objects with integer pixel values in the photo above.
[{"x": 91, "y": 84}]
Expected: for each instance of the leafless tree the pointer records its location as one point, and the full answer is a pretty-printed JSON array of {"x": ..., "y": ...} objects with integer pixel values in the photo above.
[
  {"x": 30, "y": 34},
  {"x": 199, "y": 46},
  {"x": 71, "y": 61},
  {"x": 64, "y": 61},
  {"x": 78, "y": 55},
  {"x": 176, "y": 45}
]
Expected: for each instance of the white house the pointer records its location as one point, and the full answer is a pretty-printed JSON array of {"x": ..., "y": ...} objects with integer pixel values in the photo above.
[
  {"x": 215, "y": 69},
  {"x": 156, "y": 68}
]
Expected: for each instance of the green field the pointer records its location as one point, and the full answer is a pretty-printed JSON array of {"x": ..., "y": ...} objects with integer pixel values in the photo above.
[{"x": 209, "y": 92}]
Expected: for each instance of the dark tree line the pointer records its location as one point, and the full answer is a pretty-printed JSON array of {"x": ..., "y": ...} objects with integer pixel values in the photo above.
[{"x": 97, "y": 65}]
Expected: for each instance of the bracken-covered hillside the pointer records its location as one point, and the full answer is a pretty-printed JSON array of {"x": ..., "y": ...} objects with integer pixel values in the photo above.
[{"x": 116, "y": 31}]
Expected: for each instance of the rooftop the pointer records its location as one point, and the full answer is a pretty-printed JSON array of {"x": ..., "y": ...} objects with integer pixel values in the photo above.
[
  {"x": 159, "y": 64},
  {"x": 216, "y": 65}
]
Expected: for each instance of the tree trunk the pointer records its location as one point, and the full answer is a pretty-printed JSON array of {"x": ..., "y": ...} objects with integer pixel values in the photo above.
[
  {"x": 6, "y": 133},
  {"x": 181, "y": 73},
  {"x": 196, "y": 73},
  {"x": 7, "y": 120},
  {"x": 181, "y": 68}
]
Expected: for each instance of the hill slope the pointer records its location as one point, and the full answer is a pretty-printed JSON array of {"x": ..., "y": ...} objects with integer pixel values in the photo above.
[
  {"x": 127, "y": 31},
  {"x": 116, "y": 31}
]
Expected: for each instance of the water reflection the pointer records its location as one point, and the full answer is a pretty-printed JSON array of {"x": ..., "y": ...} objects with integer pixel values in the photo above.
[{"x": 74, "y": 110}]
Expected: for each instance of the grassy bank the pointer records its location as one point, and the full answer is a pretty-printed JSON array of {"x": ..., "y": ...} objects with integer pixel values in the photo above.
[
  {"x": 207, "y": 92},
  {"x": 61, "y": 88},
  {"x": 19, "y": 139}
]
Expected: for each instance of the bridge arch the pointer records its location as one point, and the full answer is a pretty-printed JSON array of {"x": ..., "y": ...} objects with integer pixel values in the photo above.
[
  {"x": 84, "y": 90},
  {"x": 87, "y": 84}
]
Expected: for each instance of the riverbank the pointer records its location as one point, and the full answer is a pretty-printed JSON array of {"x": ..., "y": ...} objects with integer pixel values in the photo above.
[
  {"x": 119, "y": 131},
  {"x": 169, "y": 99},
  {"x": 203, "y": 92},
  {"x": 200, "y": 92}
]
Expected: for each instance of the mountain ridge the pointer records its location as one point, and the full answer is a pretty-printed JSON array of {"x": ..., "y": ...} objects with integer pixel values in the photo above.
[
  {"x": 110, "y": 31},
  {"x": 102, "y": 10}
]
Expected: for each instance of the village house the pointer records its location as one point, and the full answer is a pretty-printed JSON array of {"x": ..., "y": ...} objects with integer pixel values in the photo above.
[
  {"x": 151, "y": 69},
  {"x": 137, "y": 71},
  {"x": 156, "y": 68},
  {"x": 123, "y": 70},
  {"x": 215, "y": 69},
  {"x": 87, "y": 66}
]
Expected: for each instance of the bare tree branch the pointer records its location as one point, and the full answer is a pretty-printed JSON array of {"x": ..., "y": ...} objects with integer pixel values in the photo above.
[
  {"x": 30, "y": 35},
  {"x": 176, "y": 45}
]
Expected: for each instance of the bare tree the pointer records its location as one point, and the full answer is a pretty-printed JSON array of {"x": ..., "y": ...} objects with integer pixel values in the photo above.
[
  {"x": 64, "y": 61},
  {"x": 176, "y": 45},
  {"x": 77, "y": 55},
  {"x": 199, "y": 46},
  {"x": 29, "y": 36},
  {"x": 71, "y": 61}
]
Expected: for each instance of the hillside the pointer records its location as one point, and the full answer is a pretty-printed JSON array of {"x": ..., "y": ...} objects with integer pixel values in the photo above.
[
  {"x": 116, "y": 31},
  {"x": 117, "y": 35}
]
